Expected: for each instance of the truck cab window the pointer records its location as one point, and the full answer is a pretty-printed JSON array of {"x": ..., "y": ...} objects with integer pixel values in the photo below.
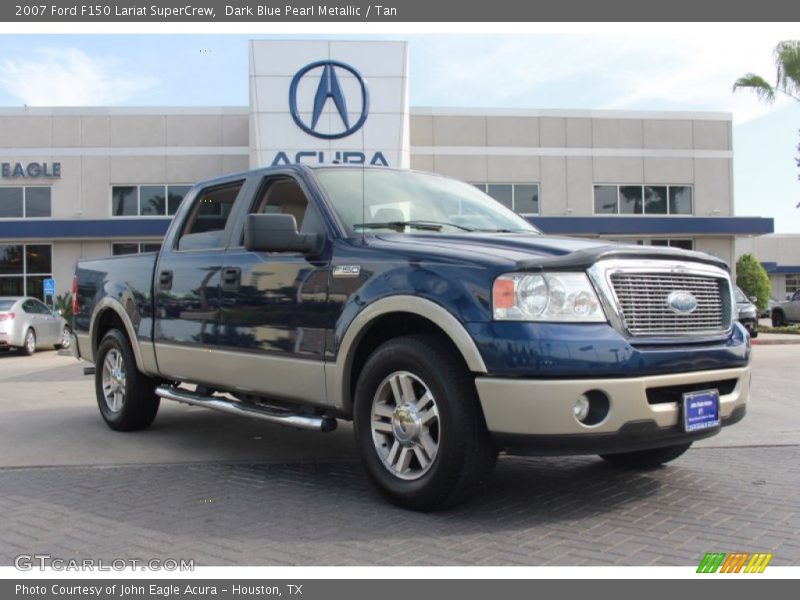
[
  {"x": 283, "y": 196},
  {"x": 209, "y": 215}
]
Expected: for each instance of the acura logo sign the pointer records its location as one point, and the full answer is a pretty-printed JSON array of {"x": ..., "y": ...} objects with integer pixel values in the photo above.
[{"x": 329, "y": 90}]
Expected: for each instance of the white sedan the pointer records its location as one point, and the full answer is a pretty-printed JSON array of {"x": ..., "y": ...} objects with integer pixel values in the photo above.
[{"x": 27, "y": 324}]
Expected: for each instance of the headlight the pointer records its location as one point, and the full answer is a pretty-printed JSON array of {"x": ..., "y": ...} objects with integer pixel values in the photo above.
[{"x": 545, "y": 297}]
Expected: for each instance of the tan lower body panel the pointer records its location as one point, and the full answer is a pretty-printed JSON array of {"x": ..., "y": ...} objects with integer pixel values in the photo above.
[
  {"x": 545, "y": 406},
  {"x": 272, "y": 376}
]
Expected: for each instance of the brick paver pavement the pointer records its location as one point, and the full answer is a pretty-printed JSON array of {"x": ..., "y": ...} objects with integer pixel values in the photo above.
[{"x": 554, "y": 511}]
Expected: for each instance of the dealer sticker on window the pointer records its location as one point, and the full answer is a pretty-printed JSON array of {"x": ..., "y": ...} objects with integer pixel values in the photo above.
[{"x": 700, "y": 410}]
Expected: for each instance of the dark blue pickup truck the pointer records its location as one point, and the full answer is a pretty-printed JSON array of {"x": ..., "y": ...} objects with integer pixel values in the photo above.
[{"x": 446, "y": 327}]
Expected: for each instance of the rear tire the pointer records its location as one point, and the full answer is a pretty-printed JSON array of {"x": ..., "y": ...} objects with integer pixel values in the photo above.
[
  {"x": 419, "y": 426},
  {"x": 778, "y": 318},
  {"x": 125, "y": 396},
  {"x": 29, "y": 345},
  {"x": 646, "y": 459}
]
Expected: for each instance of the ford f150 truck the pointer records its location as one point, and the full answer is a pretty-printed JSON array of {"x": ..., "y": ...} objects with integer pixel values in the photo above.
[{"x": 446, "y": 327}]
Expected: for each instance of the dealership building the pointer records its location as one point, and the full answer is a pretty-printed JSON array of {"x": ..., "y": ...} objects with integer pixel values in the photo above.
[{"x": 83, "y": 182}]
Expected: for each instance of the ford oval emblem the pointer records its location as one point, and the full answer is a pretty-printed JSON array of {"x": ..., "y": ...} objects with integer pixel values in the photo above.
[{"x": 682, "y": 302}]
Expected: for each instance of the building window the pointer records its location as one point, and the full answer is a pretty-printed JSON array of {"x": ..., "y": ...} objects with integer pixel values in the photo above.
[
  {"x": 672, "y": 243},
  {"x": 28, "y": 202},
  {"x": 151, "y": 200},
  {"x": 522, "y": 198},
  {"x": 120, "y": 248},
  {"x": 643, "y": 200},
  {"x": 792, "y": 282},
  {"x": 683, "y": 243},
  {"x": 23, "y": 268}
]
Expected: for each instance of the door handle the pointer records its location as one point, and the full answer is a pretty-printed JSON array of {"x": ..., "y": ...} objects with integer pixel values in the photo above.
[
  {"x": 231, "y": 279},
  {"x": 165, "y": 280}
]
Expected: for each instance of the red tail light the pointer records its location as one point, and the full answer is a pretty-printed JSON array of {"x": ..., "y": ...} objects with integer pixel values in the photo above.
[
  {"x": 75, "y": 305},
  {"x": 7, "y": 316}
]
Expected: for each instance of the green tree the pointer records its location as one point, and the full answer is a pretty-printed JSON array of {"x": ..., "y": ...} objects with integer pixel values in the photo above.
[
  {"x": 753, "y": 279},
  {"x": 787, "y": 78}
]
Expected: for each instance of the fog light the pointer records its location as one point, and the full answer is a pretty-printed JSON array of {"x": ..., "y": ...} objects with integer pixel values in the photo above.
[
  {"x": 591, "y": 408},
  {"x": 581, "y": 408}
]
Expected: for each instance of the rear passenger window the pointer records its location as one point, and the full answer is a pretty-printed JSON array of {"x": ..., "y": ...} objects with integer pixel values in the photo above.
[{"x": 208, "y": 217}]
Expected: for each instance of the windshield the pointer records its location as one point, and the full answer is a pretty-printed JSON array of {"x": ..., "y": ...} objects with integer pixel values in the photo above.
[
  {"x": 740, "y": 297},
  {"x": 413, "y": 202}
]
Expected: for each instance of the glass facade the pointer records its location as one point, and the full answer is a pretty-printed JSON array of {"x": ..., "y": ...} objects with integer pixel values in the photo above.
[
  {"x": 25, "y": 202},
  {"x": 522, "y": 198},
  {"x": 23, "y": 268},
  {"x": 120, "y": 248},
  {"x": 643, "y": 200},
  {"x": 150, "y": 200},
  {"x": 792, "y": 282}
]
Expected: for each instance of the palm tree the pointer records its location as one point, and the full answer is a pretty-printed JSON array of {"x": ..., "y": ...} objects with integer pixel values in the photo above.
[{"x": 787, "y": 80}]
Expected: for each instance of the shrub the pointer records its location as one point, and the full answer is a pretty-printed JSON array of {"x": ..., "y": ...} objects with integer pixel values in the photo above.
[
  {"x": 63, "y": 302},
  {"x": 753, "y": 279}
]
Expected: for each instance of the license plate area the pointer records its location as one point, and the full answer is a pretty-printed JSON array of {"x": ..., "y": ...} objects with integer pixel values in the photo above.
[{"x": 700, "y": 410}]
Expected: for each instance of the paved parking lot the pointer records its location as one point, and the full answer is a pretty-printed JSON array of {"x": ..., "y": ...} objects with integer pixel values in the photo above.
[{"x": 225, "y": 490}]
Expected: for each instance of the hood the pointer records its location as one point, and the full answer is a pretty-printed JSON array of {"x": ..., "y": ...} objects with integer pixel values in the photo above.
[{"x": 530, "y": 252}]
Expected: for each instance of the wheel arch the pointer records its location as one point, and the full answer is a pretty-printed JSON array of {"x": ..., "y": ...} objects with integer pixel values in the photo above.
[
  {"x": 386, "y": 319},
  {"x": 109, "y": 314}
]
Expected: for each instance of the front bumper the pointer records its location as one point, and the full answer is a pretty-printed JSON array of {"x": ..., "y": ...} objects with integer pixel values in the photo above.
[{"x": 535, "y": 416}]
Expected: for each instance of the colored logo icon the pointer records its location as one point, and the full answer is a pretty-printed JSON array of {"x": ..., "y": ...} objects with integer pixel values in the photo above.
[
  {"x": 329, "y": 91},
  {"x": 734, "y": 562}
]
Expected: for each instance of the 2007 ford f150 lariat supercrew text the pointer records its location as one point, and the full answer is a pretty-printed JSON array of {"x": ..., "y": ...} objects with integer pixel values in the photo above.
[{"x": 446, "y": 327}]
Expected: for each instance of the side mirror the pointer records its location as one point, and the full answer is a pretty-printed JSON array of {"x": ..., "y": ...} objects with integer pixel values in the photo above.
[
  {"x": 277, "y": 232},
  {"x": 754, "y": 299}
]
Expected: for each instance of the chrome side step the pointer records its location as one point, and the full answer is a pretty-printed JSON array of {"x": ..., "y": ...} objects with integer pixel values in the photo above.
[{"x": 221, "y": 404}]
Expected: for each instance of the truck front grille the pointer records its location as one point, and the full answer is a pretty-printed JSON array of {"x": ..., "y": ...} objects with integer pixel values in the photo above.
[{"x": 642, "y": 299}]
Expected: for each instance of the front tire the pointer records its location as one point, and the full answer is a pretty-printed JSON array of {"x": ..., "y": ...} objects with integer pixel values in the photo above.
[
  {"x": 418, "y": 425},
  {"x": 29, "y": 345},
  {"x": 778, "y": 318},
  {"x": 66, "y": 339},
  {"x": 125, "y": 396},
  {"x": 646, "y": 459}
]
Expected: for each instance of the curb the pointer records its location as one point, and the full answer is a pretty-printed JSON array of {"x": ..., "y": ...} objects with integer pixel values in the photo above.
[{"x": 763, "y": 342}]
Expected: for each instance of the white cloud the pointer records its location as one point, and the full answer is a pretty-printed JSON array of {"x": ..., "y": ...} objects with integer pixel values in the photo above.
[
  {"x": 70, "y": 77},
  {"x": 679, "y": 67}
]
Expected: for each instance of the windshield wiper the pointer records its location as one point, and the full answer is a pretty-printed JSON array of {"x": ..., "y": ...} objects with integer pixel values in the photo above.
[
  {"x": 423, "y": 225},
  {"x": 504, "y": 230}
]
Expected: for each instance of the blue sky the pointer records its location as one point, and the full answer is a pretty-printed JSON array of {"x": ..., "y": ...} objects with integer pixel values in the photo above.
[{"x": 648, "y": 70}]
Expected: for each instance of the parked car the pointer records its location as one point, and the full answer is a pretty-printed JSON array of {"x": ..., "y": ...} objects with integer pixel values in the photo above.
[
  {"x": 788, "y": 311},
  {"x": 27, "y": 324},
  {"x": 767, "y": 312},
  {"x": 746, "y": 312},
  {"x": 445, "y": 326}
]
